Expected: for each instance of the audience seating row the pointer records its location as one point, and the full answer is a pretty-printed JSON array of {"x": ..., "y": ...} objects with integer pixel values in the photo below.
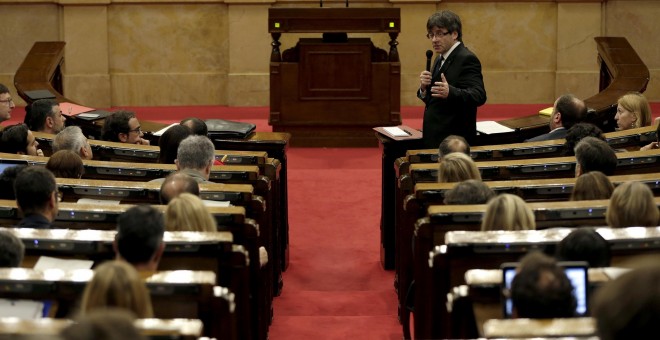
[
  {"x": 631, "y": 138},
  {"x": 175, "y": 294},
  {"x": 445, "y": 264}
]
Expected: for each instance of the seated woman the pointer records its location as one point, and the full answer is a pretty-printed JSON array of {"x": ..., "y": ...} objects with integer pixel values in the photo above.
[
  {"x": 457, "y": 167},
  {"x": 593, "y": 185},
  {"x": 187, "y": 212},
  {"x": 117, "y": 284},
  {"x": 632, "y": 205},
  {"x": 508, "y": 212},
  {"x": 66, "y": 164},
  {"x": 632, "y": 111},
  {"x": 19, "y": 139},
  {"x": 169, "y": 143}
]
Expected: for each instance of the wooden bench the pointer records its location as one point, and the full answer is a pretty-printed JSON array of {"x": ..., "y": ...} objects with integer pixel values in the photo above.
[
  {"x": 445, "y": 265},
  {"x": 631, "y": 138},
  {"x": 480, "y": 299},
  {"x": 232, "y": 174},
  {"x": 180, "y": 294},
  {"x": 179, "y": 329},
  {"x": 573, "y": 328},
  {"x": 183, "y": 251},
  {"x": 415, "y": 206}
]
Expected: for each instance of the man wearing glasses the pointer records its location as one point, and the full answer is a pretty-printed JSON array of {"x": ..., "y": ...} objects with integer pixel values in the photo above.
[
  {"x": 6, "y": 103},
  {"x": 454, "y": 87},
  {"x": 123, "y": 127}
]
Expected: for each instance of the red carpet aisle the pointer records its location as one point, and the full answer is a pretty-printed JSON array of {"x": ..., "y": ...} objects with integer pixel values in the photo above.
[{"x": 335, "y": 287}]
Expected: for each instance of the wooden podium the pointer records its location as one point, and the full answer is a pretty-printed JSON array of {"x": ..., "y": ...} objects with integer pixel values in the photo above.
[{"x": 332, "y": 91}]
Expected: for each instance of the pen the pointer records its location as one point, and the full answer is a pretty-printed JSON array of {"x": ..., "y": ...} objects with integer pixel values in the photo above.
[{"x": 407, "y": 133}]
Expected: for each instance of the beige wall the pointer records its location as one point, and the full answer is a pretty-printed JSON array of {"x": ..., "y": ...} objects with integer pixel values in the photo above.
[{"x": 184, "y": 52}]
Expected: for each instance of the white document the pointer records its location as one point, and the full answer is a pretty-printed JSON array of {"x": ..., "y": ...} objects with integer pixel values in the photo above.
[
  {"x": 490, "y": 126},
  {"x": 396, "y": 131},
  {"x": 211, "y": 203},
  {"x": 614, "y": 272},
  {"x": 22, "y": 309},
  {"x": 97, "y": 202},
  {"x": 47, "y": 262},
  {"x": 161, "y": 131}
]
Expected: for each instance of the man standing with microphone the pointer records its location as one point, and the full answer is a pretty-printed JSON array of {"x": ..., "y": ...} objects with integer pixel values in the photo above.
[{"x": 453, "y": 88}]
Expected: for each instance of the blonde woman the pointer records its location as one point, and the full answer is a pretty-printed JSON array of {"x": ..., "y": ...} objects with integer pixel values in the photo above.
[
  {"x": 632, "y": 205},
  {"x": 117, "y": 284},
  {"x": 508, "y": 212},
  {"x": 632, "y": 111},
  {"x": 457, "y": 167},
  {"x": 187, "y": 212}
]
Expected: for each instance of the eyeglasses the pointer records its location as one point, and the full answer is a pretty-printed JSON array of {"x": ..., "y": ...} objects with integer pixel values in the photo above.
[
  {"x": 137, "y": 129},
  {"x": 432, "y": 35},
  {"x": 7, "y": 101}
]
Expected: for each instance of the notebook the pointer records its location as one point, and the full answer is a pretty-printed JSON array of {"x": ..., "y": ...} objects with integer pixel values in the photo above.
[{"x": 220, "y": 128}]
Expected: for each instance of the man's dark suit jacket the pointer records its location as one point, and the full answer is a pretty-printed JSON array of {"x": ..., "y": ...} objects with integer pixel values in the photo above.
[
  {"x": 456, "y": 114},
  {"x": 558, "y": 133}
]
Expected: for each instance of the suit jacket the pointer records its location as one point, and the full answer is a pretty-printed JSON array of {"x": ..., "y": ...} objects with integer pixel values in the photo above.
[
  {"x": 557, "y": 133},
  {"x": 36, "y": 221},
  {"x": 456, "y": 114}
]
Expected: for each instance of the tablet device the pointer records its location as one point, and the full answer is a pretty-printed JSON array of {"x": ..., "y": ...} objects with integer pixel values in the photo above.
[
  {"x": 577, "y": 272},
  {"x": 6, "y": 163}
]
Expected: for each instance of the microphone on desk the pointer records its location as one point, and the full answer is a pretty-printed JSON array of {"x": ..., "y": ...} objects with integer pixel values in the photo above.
[{"x": 429, "y": 55}]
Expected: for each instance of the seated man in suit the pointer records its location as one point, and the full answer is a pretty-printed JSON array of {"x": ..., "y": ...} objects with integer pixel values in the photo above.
[
  {"x": 73, "y": 139},
  {"x": 567, "y": 110},
  {"x": 139, "y": 238},
  {"x": 195, "y": 157},
  {"x": 37, "y": 197},
  {"x": 123, "y": 127},
  {"x": 6, "y": 103},
  {"x": 593, "y": 154},
  {"x": 45, "y": 116},
  {"x": 176, "y": 184}
]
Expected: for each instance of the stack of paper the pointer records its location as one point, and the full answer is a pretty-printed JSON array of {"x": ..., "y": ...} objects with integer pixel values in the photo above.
[
  {"x": 488, "y": 127},
  {"x": 546, "y": 112}
]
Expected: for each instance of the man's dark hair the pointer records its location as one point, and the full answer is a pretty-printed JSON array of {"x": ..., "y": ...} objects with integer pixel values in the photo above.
[
  {"x": 39, "y": 110},
  {"x": 453, "y": 143},
  {"x": 572, "y": 109},
  {"x": 13, "y": 139},
  {"x": 578, "y": 131},
  {"x": 629, "y": 306},
  {"x": 541, "y": 289},
  {"x": 115, "y": 124},
  {"x": 176, "y": 184},
  {"x": 12, "y": 250},
  {"x": 3, "y": 89},
  {"x": 7, "y": 178},
  {"x": 447, "y": 20},
  {"x": 169, "y": 143},
  {"x": 34, "y": 187},
  {"x": 584, "y": 244},
  {"x": 198, "y": 126},
  {"x": 140, "y": 231},
  {"x": 593, "y": 154},
  {"x": 470, "y": 191}
]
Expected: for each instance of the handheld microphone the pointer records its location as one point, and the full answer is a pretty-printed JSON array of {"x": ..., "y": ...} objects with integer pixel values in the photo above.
[{"x": 429, "y": 55}]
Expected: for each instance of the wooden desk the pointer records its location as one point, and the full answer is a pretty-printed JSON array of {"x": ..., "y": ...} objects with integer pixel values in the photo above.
[{"x": 333, "y": 91}]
